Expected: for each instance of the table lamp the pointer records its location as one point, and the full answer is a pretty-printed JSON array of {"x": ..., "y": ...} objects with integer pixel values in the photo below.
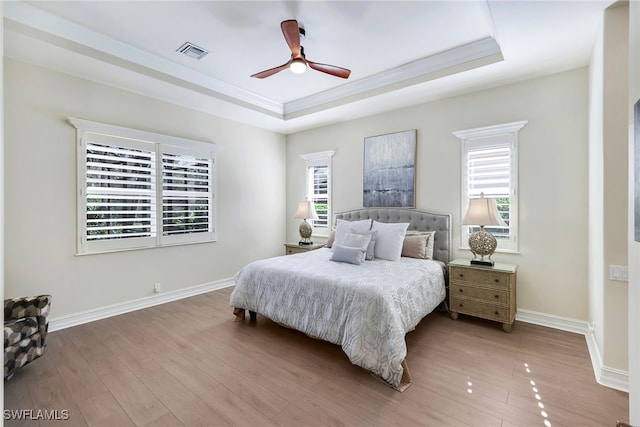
[
  {"x": 482, "y": 211},
  {"x": 305, "y": 211}
]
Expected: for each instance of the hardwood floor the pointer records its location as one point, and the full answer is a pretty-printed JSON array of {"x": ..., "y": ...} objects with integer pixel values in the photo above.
[{"x": 187, "y": 363}]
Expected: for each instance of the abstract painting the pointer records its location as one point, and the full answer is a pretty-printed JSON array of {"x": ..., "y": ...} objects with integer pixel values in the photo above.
[{"x": 389, "y": 170}]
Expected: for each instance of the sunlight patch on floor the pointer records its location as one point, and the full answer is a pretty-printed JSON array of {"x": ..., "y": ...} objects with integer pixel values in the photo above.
[{"x": 536, "y": 394}]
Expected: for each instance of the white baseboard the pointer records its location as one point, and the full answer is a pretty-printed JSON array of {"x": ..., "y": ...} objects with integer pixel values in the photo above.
[
  {"x": 609, "y": 377},
  {"x": 75, "y": 319},
  {"x": 551, "y": 321}
]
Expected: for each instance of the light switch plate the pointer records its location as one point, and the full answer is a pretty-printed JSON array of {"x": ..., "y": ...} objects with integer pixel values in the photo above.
[{"x": 619, "y": 272}]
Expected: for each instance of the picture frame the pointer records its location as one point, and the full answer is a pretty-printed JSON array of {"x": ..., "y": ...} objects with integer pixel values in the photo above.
[{"x": 389, "y": 170}]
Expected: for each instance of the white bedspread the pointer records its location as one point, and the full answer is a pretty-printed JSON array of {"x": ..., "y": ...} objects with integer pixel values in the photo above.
[{"x": 366, "y": 309}]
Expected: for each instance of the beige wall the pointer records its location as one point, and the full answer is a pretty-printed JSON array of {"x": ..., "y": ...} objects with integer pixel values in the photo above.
[
  {"x": 40, "y": 194},
  {"x": 552, "y": 278},
  {"x": 608, "y": 181},
  {"x": 615, "y": 144}
]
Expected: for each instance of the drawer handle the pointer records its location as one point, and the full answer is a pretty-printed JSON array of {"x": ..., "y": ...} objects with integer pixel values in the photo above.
[
  {"x": 461, "y": 275},
  {"x": 497, "y": 280},
  {"x": 497, "y": 296},
  {"x": 461, "y": 290},
  {"x": 460, "y": 305},
  {"x": 496, "y": 313}
]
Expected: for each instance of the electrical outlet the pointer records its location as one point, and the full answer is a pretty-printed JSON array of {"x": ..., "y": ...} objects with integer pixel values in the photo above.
[{"x": 156, "y": 288}]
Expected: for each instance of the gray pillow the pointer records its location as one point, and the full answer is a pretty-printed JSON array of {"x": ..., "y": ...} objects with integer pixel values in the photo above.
[
  {"x": 372, "y": 243},
  {"x": 347, "y": 254},
  {"x": 360, "y": 241},
  {"x": 357, "y": 240}
]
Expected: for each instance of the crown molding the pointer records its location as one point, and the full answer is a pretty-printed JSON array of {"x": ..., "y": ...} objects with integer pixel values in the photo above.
[{"x": 461, "y": 58}]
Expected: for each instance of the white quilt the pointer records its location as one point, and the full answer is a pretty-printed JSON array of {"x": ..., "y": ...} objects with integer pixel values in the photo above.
[{"x": 366, "y": 309}]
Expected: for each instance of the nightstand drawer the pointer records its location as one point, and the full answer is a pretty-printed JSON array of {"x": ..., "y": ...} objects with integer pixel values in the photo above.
[
  {"x": 497, "y": 296},
  {"x": 480, "y": 309},
  {"x": 292, "y": 250},
  {"x": 485, "y": 277}
]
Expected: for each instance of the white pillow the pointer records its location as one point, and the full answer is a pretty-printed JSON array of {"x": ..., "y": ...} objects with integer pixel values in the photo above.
[
  {"x": 345, "y": 227},
  {"x": 389, "y": 240},
  {"x": 432, "y": 239}
]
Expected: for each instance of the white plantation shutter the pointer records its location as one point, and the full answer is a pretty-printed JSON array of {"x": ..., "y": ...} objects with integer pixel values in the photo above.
[
  {"x": 318, "y": 192},
  {"x": 187, "y": 195},
  {"x": 137, "y": 192},
  {"x": 318, "y": 188},
  {"x": 489, "y": 171},
  {"x": 489, "y": 166},
  {"x": 120, "y": 193}
]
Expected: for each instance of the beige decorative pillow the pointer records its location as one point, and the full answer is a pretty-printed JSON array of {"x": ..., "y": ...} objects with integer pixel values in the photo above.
[
  {"x": 332, "y": 238},
  {"x": 415, "y": 246},
  {"x": 430, "y": 244}
]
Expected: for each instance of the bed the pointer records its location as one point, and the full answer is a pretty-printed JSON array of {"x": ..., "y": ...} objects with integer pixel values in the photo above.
[{"x": 367, "y": 307}]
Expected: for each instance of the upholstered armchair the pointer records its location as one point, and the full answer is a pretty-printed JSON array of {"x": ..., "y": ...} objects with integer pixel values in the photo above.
[{"x": 25, "y": 331}]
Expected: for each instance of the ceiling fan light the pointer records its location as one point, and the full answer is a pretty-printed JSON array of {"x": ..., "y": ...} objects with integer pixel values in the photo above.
[{"x": 298, "y": 66}]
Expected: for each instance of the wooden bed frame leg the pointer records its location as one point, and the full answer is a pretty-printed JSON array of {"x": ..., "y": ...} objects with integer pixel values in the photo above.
[
  {"x": 239, "y": 313},
  {"x": 253, "y": 315}
]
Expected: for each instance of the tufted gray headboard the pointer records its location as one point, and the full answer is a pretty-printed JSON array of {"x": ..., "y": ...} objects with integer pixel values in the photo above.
[{"x": 418, "y": 220}]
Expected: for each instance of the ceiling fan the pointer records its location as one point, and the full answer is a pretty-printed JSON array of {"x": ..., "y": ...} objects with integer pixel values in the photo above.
[{"x": 298, "y": 62}]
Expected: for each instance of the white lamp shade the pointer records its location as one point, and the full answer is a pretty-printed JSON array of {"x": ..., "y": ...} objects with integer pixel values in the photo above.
[
  {"x": 483, "y": 212},
  {"x": 306, "y": 210}
]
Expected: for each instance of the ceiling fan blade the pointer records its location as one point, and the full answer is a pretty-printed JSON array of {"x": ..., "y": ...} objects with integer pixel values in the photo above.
[
  {"x": 291, "y": 33},
  {"x": 330, "y": 69},
  {"x": 271, "y": 71}
]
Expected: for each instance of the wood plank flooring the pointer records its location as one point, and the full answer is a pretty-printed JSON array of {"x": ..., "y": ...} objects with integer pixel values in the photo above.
[{"x": 187, "y": 363}]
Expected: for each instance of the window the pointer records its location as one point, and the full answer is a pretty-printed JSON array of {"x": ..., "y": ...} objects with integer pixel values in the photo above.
[
  {"x": 139, "y": 190},
  {"x": 318, "y": 188},
  {"x": 490, "y": 166}
]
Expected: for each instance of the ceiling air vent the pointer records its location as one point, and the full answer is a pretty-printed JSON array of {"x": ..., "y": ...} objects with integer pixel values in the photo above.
[{"x": 192, "y": 51}]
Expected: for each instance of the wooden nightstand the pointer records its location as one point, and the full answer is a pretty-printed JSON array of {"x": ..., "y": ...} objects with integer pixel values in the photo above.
[
  {"x": 487, "y": 292},
  {"x": 294, "y": 248}
]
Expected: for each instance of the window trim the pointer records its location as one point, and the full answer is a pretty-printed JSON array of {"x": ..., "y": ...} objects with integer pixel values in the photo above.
[
  {"x": 153, "y": 142},
  {"x": 321, "y": 158},
  {"x": 481, "y": 136}
]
